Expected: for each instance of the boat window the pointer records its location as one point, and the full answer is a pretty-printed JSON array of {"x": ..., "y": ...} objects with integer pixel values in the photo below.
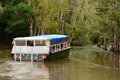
[
  {"x": 61, "y": 46},
  {"x": 29, "y": 43},
  {"x": 39, "y": 43},
  {"x": 52, "y": 49},
  {"x": 20, "y": 43}
]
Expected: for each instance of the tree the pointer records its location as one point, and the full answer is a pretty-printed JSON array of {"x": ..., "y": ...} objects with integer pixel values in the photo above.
[
  {"x": 13, "y": 21},
  {"x": 83, "y": 20},
  {"x": 1, "y": 9},
  {"x": 49, "y": 16},
  {"x": 109, "y": 9}
]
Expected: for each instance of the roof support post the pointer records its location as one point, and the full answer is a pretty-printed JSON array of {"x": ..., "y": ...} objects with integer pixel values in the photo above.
[
  {"x": 20, "y": 57},
  {"x": 15, "y": 57},
  {"x": 31, "y": 57}
]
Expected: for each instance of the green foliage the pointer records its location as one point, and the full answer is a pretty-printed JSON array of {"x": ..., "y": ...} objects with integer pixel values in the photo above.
[
  {"x": 85, "y": 21},
  {"x": 1, "y": 11},
  {"x": 50, "y": 16},
  {"x": 14, "y": 19},
  {"x": 109, "y": 13}
]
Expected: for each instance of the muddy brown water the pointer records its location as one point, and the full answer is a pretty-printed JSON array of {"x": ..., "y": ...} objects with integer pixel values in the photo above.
[{"x": 81, "y": 65}]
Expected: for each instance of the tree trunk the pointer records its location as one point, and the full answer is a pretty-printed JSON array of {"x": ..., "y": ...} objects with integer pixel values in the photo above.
[
  {"x": 29, "y": 2},
  {"x": 30, "y": 22},
  {"x": 105, "y": 43}
]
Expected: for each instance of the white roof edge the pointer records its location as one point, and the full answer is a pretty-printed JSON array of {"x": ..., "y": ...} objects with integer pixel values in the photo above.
[
  {"x": 42, "y": 37},
  {"x": 30, "y": 38}
]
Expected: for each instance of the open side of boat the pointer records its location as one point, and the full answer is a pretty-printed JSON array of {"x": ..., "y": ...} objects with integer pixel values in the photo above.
[{"x": 41, "y": 48}]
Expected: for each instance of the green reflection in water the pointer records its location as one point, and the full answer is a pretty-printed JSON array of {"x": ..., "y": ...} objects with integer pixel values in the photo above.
[
  {"x": 83, "y": 70},
  {"x": 87, "y": 65},
  {"x": 107, "y": 59}
]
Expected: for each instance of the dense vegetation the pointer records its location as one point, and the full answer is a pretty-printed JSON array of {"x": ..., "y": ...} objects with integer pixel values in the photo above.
[{"x": 85, "y": 21}]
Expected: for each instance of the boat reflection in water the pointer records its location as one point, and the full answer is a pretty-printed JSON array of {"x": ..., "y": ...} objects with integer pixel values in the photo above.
[
  {"x": 58, "y": 70},
  {"x": 12, "y": 70}
]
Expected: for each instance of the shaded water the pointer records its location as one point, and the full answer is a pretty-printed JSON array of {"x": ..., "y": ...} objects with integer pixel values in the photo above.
[{"x": 81, "y": 65}]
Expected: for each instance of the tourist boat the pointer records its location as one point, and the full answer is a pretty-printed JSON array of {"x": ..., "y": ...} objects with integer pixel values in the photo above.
[{"x": 40, "y": 48}]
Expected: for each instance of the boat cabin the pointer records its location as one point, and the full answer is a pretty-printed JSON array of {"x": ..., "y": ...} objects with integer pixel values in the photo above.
[{"x": 38, "y": 47}]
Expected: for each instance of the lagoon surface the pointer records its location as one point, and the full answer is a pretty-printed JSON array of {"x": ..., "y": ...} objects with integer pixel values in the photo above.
[{"x": 81, "y": 65}]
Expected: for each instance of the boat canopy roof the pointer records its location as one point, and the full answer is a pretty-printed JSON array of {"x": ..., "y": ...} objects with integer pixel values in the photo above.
[{"x": 54, "y": 38}]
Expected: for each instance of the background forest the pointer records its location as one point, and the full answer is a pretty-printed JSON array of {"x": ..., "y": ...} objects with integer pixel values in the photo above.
[{"x": 85, "y": 21}]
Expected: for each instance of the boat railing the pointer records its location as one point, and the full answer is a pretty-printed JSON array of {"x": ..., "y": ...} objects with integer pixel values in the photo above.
[
  {"x": 59, "y": 47},
  {"x": 31, "y": 49}
]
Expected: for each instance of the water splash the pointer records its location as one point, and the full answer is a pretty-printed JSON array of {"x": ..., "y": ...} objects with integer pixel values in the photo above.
[{"x": 24, "y": 71}]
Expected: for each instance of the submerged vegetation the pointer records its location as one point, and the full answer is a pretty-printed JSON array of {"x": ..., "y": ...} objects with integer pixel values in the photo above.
[{"x": 85, "y": 21}]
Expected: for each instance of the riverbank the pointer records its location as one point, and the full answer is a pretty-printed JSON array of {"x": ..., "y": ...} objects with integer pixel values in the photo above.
[
  {"x": 6, "y": 45},
  {"x": 5, "y": 55}
]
